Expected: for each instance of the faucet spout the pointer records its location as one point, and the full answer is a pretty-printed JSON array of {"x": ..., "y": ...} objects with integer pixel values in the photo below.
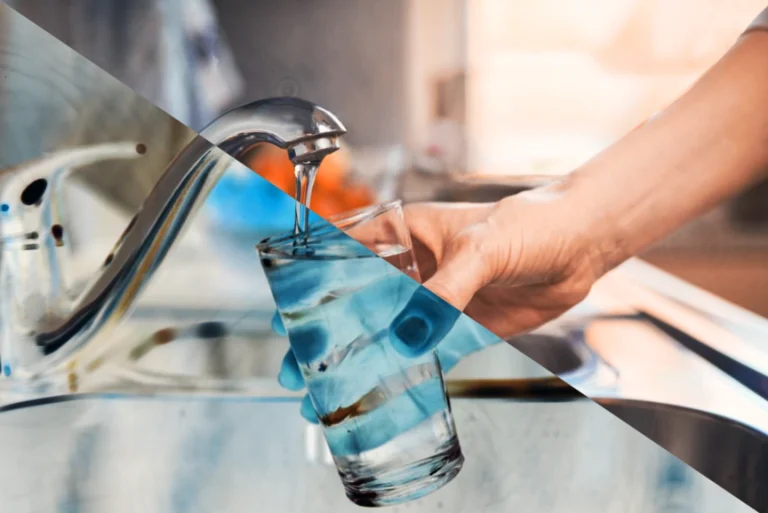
[{"x": 308, "y": 133}]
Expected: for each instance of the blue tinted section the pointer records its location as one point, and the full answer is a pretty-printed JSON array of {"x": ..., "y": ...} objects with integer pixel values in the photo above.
[{"x": 244, "y": 202}]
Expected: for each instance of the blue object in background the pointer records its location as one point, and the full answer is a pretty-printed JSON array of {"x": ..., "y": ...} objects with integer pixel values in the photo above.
[{"x": 243, "y": 203}]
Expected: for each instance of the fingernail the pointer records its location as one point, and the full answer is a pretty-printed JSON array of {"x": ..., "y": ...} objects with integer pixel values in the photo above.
[
  {"x": 309, "y": 342},
  {"x": 308, "y": 410},
  {"x": 422, "y": 324},
  {"x": 290, "y": 375},
  {"x": 412, "y": 332}
]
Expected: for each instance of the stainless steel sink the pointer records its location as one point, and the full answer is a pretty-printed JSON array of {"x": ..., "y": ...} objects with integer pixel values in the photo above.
[
  {"x": 216, "y": 350},
  {"x": 497, "y": 372},
  {"x": 732, "y": 455},
  {"x": 480, "y": 189},
  {"x": 523, "y": 451},
  {"x": 230, "y": 354},
  {"x": 559, "y": 355},
  {"x": 165, "y": 455}
]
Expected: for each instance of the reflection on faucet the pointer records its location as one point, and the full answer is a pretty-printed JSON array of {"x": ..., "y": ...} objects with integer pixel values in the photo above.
[
  {"x": 34, "y": 245},
  {"x": 304, "y": 129}
]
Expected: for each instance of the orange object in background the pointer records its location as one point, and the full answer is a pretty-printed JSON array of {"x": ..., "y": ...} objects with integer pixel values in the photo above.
[{"x": 333, "y": 192}]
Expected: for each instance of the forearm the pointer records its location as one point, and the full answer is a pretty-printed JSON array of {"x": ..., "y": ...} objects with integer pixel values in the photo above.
[{"x": 706, "y": 147}]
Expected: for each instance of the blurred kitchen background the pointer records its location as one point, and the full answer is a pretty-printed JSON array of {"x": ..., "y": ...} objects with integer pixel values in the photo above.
[{"x": 455, "y": 100}]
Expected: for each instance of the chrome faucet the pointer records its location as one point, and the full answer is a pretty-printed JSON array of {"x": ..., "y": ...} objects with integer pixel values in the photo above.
[{"x": 72, "y": 334}]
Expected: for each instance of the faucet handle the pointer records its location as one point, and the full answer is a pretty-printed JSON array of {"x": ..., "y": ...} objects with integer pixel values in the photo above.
[
  {"x": 32, "y": 229},
  {"x": 27, "y": 183},
  {"x": 308, "y": 133}
]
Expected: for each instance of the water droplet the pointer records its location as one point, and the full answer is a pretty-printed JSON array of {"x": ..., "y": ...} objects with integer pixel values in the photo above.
[
  {"x": 72, "y": 382},
  {"x": 164, "y": 336},
  {"x": 211, "y": 329},
  {"x": 57, "y": 231},
  {"x": 33, "y": 193}
]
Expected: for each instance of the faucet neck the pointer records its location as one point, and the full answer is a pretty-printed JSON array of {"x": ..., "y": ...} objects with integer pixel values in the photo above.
[{"x": 307, "y": 131}]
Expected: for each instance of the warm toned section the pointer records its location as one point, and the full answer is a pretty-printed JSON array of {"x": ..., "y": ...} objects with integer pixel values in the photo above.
[
  {"x": 334, "y": 191},
  {"x": 554, "y": 81}
]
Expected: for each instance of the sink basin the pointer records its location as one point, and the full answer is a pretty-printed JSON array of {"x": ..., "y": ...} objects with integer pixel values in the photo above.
[
  {"x": 163, "y": 455},
  {"x": 504, "y": 419},
  {"x": 220, "y": 351},
  {"x": 478, "y": 189},
  {"x": 730, "y": 454},
  {"x": 559, "y": 355},
  {"x": 215, "y": 350}
]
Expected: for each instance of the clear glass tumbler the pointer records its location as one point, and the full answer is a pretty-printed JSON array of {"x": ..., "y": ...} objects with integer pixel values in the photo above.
[{"x": 386, "y": 417}]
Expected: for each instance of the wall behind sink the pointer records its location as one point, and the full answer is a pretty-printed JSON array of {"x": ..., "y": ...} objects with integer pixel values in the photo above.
[{"x": 347, "y": 56}]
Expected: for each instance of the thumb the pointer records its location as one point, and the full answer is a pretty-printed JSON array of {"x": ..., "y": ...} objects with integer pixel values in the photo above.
[
  {"x": 434, "y": 308},
  {"x": 464, "y": 268}
]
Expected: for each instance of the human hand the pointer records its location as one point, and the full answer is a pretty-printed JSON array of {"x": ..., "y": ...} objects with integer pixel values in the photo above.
[
  {"x": 511, "y": 265},
  {"x": 471, "y": 260}
]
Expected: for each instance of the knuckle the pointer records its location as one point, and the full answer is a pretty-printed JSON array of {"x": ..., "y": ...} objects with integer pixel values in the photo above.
[
  {"x": 445, "y": 292},
  {"x": 473, "y": 241},
  {"x": 479, "y": 249}
]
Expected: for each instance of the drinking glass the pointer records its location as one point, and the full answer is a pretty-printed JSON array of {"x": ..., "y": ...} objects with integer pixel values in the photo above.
[{"x": 386, "y": 417}]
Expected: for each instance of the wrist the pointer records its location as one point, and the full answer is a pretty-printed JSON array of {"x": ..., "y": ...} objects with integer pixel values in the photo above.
[
  {"x": 671, "y": 168},
  {"x": 586, "y": 209},
  {"x": 575, "y": 221}
]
